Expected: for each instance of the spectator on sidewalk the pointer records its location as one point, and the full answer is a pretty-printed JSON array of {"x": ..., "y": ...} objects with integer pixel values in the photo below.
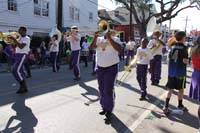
[
  {"x": 9, "y": 52},
  {"x": 54, "y": 49},
  {"x": 85, "y": 52},
  {"x": 178, "y": 60},
  {"x": 43, "y": 54},
  {"x": 195, "y": 79}
]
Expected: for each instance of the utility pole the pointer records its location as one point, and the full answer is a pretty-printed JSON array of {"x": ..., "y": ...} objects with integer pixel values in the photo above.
[
  {"x": 59, "y": 14},
  {"x": 131, "y": 26},
  {"x": 186, "y": 23}
]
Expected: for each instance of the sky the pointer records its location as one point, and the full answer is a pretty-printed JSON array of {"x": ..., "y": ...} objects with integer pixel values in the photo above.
[{"x": 177, "y": 23}]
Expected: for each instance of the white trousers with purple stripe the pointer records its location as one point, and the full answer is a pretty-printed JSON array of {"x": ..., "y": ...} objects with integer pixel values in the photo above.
[{"x": 18, "y": 67}]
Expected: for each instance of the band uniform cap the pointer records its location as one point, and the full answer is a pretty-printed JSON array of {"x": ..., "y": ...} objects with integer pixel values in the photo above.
[
  {"x": 74, "y": 27},
  {"x": 157, "y": 29}
]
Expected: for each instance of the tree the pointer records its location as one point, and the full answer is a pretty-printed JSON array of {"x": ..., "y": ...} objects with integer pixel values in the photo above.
[{"x": 144, "y": 10}]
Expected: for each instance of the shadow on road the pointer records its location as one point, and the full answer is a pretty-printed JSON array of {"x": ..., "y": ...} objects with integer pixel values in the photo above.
[
  {"x": 118, "y": 125},
  {"x": 90, "y": 91},
  {"x": 25, "y": 116}
]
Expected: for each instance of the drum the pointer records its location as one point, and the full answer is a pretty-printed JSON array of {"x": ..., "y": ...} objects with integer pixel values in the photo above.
[{"x": 84, "y": 53}]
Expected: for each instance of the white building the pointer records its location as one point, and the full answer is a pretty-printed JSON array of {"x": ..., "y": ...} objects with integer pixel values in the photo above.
[
  {"x": 39, "y": 16},
  {"x": 83, "y": 13}
]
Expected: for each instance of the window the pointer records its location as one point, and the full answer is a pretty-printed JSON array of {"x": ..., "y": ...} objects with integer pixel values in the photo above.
[
  {"x": 74, "y": 13},
  {"x": 90, "y": 16},
  {"x": 37, "y": 7},
  {"x": 45, "y": 9},
  {"x": 12, "y": 5},
  {"x": 41, "y": 8},
  {"x": 71, "y": 12}
]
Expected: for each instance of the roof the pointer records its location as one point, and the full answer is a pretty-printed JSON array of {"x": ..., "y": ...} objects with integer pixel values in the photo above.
[
  {"x": 103, "y": 14},
  {"x": 121, "y": 15}
]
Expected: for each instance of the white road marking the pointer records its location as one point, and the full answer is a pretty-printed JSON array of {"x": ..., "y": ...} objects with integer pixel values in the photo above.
[{"x": 145, "y": 114}]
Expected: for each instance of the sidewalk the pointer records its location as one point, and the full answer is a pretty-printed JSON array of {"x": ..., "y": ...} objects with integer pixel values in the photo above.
[{"x": 157, "y": 122}]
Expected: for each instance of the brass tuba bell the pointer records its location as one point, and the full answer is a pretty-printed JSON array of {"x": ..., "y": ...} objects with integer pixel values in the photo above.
[{"x": 6, "y": 37}]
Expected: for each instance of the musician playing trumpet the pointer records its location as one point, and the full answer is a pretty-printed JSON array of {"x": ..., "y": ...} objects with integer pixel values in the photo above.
[
  {"x": 156, "y": 46},
  {"x": 74, "y": 38},
  {"x": 107, "y": 60}
]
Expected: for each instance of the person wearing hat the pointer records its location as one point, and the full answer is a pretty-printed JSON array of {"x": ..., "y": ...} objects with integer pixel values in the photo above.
[
  {"x": 74, "y": 39},
  {"x": 156, "y": 46}
]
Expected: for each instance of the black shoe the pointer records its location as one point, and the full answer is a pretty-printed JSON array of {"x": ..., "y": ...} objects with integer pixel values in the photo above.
[
  {"x": 157, "y": 82},
  {"x": 103, "y": 112},
  {"x": 77, "y": 79},
  {"x": 21, "y": 91},
  {"x": 153, "y": 83},
  {"x": 93, "y": 73},
  {"x": 28, "y": 76},
  {"x": 182, "y": 107},
  {"x": 23, "y": 88},
  {"x": 58, "y": 68},
  {"x": 143, "y": 98},
  {"x": 166, "y": 110},
  {"x": 108, "y": 118}
]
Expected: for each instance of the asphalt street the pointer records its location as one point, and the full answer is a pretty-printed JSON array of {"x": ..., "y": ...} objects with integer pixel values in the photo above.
[{"x": 57, "y": 104}]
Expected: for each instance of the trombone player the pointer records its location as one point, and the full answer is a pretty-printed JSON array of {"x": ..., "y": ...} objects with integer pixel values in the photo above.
[
  {"x": 156, "y": 45},
  {"x": 107, "y": 59},
  {"x": 22, "y": 49}
]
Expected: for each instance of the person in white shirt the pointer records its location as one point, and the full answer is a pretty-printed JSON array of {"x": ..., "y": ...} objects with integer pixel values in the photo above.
[
  {"x": 85, "y": 51},
  {"x": 54, "y": 49},
  {"x": 143, "y": 58},
  {"x": 156, "y": 46},
  {"x": 107, "y": 59},
  {"x": 130, "y": 53},
  {"x": 22, "y": 49},
  {"x": 74, "y": 40}
]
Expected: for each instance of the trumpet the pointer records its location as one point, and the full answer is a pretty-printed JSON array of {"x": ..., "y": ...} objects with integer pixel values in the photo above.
[
  {"x": 6, "y": 37},
  {"x": 103, "y": 28}
]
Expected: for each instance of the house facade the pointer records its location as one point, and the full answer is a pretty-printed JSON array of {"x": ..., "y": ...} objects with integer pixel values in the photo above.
[
  {"x": 39, "y": 16},
  {"x": 122, "y": 16},
  {"x": 82, "y": 13}
]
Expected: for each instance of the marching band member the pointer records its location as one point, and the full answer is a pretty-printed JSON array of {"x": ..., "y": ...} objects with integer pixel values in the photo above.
[
  {"x": 54, "y": 49},
  {"x": 143, "y": 57},
  {"x": 74, "y": 40},
  {"x": 22, "y": 49},
  {"x": 130, "y": 53},
  {"x": 157, "y": 45},
  {"x": 107, "y": 59}
]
